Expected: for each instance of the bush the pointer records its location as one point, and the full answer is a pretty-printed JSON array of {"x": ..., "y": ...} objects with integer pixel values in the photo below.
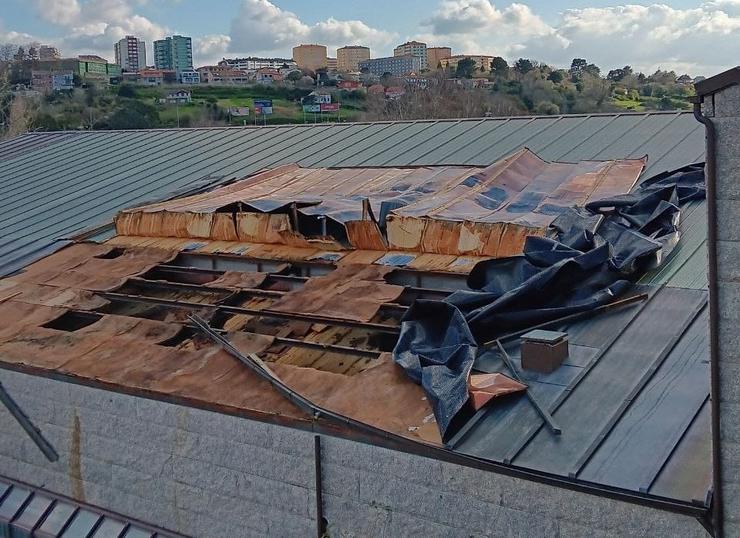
[
  {"x": 131, "y": 115},
  {"x": 546, "y": 108},
  {"x": 127, "y": 90}
]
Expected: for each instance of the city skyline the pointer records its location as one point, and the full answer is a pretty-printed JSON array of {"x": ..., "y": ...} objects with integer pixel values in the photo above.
[{"x": 647, "y": 36}]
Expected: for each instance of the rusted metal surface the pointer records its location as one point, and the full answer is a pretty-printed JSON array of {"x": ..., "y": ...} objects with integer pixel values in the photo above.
[
  {"x": 143, "y": 343},
  {"x": 450, "y": 210},
  {"x": 350, "y": 292}
]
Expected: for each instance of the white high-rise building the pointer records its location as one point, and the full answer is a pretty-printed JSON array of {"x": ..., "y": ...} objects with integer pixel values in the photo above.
[
  {"x": 130, "y": 54},
  {"x": 416, "y": 49}
]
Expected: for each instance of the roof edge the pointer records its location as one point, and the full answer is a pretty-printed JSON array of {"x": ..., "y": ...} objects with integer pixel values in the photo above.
[
  {"x": 342, "y": 124},
  {"x": 718, "y": 82}
]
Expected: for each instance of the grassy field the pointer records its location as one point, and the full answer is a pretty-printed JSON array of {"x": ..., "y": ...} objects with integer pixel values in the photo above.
[{"x": 286, "y": 106}]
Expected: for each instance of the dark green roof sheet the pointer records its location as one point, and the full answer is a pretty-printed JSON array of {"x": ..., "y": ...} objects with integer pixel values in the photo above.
[{"x": 53, "y": 185}]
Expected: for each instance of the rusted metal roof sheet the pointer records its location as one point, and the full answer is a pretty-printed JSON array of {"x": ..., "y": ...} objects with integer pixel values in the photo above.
[
  {"x": 443, "y": 210},
  {"x": 628, "y": 399},
  {"x": 53, "y": 185},
  {"x": 137, "y": 337}
]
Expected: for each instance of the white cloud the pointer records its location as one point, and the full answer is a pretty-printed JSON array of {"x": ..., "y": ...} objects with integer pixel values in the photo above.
[
  {"x": 700, "y": 40},
  {"x": 92, "y": 26},
  {"x": 704, "y": 39},
  {"x": 478, "y": 26},
  {"x": 208, "y": 50},
  {"x": 261, "y": 27},
  {"x": 58, "y": 11}
]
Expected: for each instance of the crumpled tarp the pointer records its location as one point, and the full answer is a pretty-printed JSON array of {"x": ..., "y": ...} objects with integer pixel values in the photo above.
[{"x": 590, "y": 259}]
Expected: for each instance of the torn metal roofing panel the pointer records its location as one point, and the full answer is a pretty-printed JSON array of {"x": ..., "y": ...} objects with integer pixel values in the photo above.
[
  {"x": 53, "y": 185},
  {"x": 444, "y": 210}
]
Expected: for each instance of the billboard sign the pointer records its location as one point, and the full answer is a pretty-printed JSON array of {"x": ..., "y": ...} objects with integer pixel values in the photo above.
[
  {"x": 311, "y": 108},
  {"x": 329, "y": 107},
  {"x": 239, "y": 111},
  {"x": 263, "y": 107}
]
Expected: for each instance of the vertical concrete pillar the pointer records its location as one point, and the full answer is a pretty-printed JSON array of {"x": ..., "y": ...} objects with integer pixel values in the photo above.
[{"x": 720, "y": 97}]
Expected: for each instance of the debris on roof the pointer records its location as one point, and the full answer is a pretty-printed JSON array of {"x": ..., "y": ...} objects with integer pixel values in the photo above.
[
  {"x": 447, "y": 210},
  {"x": 274, "y": 274}
]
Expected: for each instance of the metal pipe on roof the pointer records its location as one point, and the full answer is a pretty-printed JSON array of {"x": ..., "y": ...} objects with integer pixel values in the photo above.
[
  {"x": 546, "y": 416},
  {"x": 320, "y": 521},
  {"x": 710, "y": 174},
  {"x": 33, "y": 432}
]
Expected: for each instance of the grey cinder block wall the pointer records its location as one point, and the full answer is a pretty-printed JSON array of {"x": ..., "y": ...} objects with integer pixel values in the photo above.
[
  {"x": 202, "y": 473},
  {"x": 723, "y": 109}
]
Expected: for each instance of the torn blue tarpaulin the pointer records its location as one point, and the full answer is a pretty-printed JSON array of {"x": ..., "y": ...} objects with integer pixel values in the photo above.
[{"x": 591, "y": 258}]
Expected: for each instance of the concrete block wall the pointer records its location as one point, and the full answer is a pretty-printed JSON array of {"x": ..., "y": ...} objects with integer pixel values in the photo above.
[
  {"x": 724, "y": 111},
  {"x": 208, "y": 474}
]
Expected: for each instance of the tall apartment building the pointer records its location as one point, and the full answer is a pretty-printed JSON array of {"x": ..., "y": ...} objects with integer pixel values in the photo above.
[
  {"x": 436, "y": 54},
  {"x": 349, "y": 57},
  {"x": 395, "y": 65},
  {"x": 174, "y": 53},
  {"x": 252, "y": 63},
  {"x": 130, "y": 53},
  {"x": 413, "y": 48},
  {"x": 311, "y": 57},
  {"x": 48, "y": 53}
]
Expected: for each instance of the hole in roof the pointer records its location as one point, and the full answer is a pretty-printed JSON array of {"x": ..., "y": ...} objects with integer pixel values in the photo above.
[
  {"x": 72, "y": 321},
  {"x": 186, "y": 333},
  {"x": 181, "y": 276},
  {"x": 113, "y": 253},
  {"x": 320, "y": 226}
]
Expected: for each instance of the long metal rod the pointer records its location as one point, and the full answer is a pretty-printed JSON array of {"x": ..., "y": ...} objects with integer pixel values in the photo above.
[
  {"x": 587, "y": 454},
  {"x": 478, "y": 416},
  {"x": 546, "y": 416},
  {"x": 710, "y": 174},
  {"x": 515, "y": 450},
  {"x": 320, "y": 524},
  {"x": 570, "y": 317},
  {"x": 377, "y": 327},
  {"x": 33, "y": 432}
]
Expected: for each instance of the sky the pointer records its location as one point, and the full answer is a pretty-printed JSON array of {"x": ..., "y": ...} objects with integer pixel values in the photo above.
[{"x": 694, "y": 37}]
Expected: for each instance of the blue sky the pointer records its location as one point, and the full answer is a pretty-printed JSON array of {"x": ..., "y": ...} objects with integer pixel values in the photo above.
[{"x": 679, "y": 34}]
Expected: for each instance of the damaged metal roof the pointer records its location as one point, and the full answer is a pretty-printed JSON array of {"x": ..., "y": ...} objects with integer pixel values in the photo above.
[
  {"x": 630, "y": 401},
  {"x": 53, "y": 185},
  {"x": 452, "y": 210}
]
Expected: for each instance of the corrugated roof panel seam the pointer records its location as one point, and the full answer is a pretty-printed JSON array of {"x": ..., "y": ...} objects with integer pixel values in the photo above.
[{"x": 54, "y": 184}]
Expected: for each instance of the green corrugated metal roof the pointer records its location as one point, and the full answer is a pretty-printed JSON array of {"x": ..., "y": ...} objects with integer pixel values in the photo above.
[
  {"x": 53, "y": 185},
  {"x": 687, "y": 265}
]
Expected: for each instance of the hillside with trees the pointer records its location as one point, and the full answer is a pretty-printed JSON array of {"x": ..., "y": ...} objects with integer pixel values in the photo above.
[
  {"x": 525, "y": 87},
  {"x": 530, "y": 88}
]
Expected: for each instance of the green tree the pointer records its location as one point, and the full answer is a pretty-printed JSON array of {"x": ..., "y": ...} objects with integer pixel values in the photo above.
[
  {"x": 127, "y": 90},
  {"x": 523, "y": 66},
  {"x": 556, "y": 77},
  {"x": 465, "y": 68},
  {"x": 593, "y": 70},
  {"x": 131, "y": 114},
  {"x": 294, "y": 76},
  {"x": 576, "y": 68},
  {"x": 499, "y": 66}
]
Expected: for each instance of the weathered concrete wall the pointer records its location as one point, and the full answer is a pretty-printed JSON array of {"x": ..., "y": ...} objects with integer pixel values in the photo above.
[
  {"x": 207, "y": 474},
  {"x": 725, "y": 114}
]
